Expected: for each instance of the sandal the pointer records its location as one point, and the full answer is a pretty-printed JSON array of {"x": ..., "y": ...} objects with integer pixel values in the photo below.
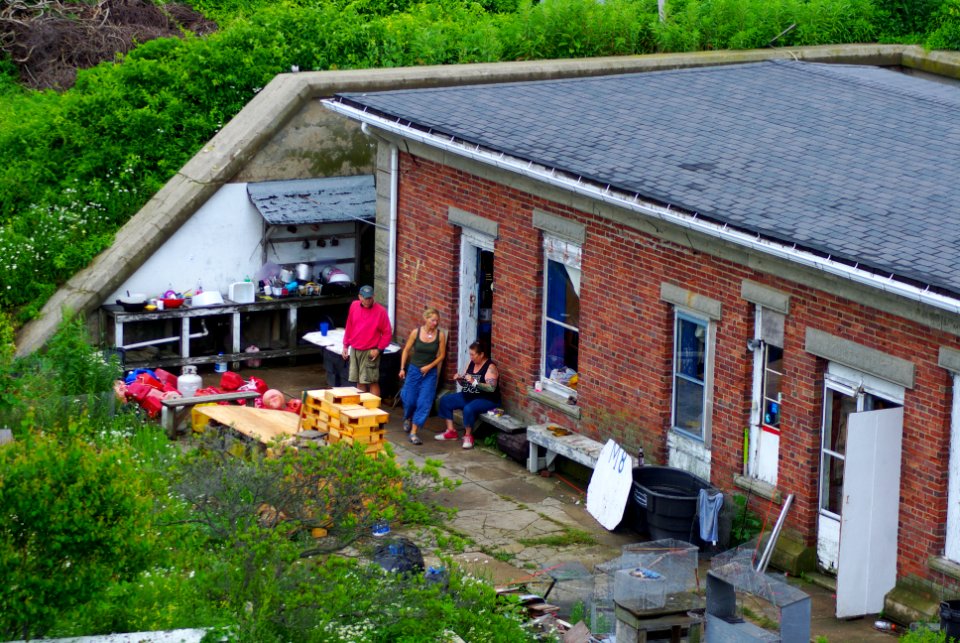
[
  {"x": 415, "y": 439},
  {"x": 407, "y": 425}
]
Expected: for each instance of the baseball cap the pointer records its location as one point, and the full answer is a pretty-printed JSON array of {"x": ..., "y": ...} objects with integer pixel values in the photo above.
[{"x": 366, "y": 292}]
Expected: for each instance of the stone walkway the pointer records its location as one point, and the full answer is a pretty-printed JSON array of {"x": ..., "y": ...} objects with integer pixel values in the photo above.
[{"x": 505, "y": 514}]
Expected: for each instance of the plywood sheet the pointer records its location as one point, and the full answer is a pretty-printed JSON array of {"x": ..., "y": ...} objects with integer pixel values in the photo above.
[{"x": 263, "y": 425}]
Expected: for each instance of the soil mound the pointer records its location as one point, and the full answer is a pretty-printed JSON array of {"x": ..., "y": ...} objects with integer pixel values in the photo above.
[{"x": 50, "y": 40}]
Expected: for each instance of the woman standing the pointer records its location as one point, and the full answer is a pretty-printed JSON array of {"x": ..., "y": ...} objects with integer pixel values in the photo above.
[
  {"x": 424, "y": 351},
  {"x": 478, "y": 394}
]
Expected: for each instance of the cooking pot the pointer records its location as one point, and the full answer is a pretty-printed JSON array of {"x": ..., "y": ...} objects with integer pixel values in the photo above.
[
  {"x": 303, "y": 272},
  {"x": 133, "y": 303},
  {"x": 286, "y": 275}
]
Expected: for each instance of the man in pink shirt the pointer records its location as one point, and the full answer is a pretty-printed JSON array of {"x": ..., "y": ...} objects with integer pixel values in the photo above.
[{"x": 368, "y": 333}]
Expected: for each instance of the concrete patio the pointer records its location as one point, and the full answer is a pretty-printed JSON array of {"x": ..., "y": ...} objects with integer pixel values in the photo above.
[{"x": 505, "y": 512}]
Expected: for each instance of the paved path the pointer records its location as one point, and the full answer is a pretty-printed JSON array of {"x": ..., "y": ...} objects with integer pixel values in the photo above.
[{"x": 504, "y": 510}]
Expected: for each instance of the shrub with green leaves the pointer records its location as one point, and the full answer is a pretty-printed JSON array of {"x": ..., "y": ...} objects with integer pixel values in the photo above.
[
  {"x": 74, "y": 167},
  {"x": 74, "y": 519}
]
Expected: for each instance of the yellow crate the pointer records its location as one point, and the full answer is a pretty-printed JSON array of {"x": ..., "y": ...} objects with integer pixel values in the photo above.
[
  {"x": 334, "y": 410},
  {"x": 342, "y": 395},
  {"x": 369, "y": 400},
  {"x": 373, "y": 437},
  {"x": 364, "y": 417},
  {"x": 362, "y": 432}
]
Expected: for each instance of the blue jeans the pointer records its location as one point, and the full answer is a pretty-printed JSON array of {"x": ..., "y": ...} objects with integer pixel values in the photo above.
[
  {"x": 471, "y": 410},
  {"x": 418, "y": 393}
]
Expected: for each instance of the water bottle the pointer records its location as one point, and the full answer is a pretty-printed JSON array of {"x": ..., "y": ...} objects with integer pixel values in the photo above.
[
  {"x": 640, "y": 461},
  {"x": 221, "y": 365}
]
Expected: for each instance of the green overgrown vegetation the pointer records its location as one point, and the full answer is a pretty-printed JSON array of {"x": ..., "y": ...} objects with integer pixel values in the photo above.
[
  {"x": 76, "y": 165},
  {"x": 106, "y": 526}
]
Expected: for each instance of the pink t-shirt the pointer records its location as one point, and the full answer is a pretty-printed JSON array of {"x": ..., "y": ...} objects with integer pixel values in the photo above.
[{"x": 367, "y": 327}]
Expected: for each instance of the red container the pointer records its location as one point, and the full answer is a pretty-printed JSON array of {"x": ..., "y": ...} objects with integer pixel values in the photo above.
[{"x": 170, "y": 302}]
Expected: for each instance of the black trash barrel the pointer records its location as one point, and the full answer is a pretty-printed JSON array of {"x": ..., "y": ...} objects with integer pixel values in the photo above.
[
  {"x": 950, "y": 619},
  {"x": 666, "y": 502}
]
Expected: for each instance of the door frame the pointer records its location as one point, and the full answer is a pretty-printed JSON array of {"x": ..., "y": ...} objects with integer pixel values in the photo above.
[
  {"x": 472, "y": 243},
  {"x": 856, "y": 384}
]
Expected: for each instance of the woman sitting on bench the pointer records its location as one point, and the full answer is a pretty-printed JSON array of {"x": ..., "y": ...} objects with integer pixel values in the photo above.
[{"x": 478, "y": 394}]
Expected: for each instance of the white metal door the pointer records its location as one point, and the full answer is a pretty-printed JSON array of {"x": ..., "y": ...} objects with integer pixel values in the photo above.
[
  {"x": 471, "y": 243},
  {"x": 871, "y": 505}
]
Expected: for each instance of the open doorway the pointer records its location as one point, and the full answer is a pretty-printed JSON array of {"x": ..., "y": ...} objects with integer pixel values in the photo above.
[
  {"x": 476, "y": 293},
  {"x": 861, "y": 442}
]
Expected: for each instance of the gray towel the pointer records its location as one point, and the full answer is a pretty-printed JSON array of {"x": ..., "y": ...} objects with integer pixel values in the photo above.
[{"x": 709, "y": 514}]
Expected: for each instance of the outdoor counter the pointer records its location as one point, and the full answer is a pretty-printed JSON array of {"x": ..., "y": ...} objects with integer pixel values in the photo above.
[
  {"x": 114, "y": 317},
  {"x": 337, "y": 368}
]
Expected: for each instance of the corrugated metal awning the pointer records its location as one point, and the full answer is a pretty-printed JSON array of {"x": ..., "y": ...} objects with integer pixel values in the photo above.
[{"x": 339, "y": 198}]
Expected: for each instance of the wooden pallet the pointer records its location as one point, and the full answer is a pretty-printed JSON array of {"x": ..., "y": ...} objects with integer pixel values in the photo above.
[{"x": 346, "y": 415}]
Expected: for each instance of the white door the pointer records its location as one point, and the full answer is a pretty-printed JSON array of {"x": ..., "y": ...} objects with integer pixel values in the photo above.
[
  {"x": 472, "y": 244},
  {"x": 871, "y": 505}
]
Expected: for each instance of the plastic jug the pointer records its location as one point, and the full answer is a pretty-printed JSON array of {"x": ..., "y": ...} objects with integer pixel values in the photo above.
[{"x": 189, "y": 382}]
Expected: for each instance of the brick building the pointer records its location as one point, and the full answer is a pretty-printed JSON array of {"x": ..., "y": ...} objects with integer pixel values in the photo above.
[{"x": 749, "y": 270}]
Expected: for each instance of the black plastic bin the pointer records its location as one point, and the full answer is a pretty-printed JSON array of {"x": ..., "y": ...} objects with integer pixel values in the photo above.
[
  {"x": 950, "y": 619},
  {"x": 665, "y": 503}
]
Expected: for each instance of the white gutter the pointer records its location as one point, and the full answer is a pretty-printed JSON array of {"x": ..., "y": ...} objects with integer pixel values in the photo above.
[
  {"x": 607, "y": 194},
  {"x": 392, "y": 232}
]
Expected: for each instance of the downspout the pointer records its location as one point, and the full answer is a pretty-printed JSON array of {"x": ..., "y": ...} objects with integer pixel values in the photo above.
[
  {"x": 636, "y": 203},
  {"x": 392, "y": 232}
]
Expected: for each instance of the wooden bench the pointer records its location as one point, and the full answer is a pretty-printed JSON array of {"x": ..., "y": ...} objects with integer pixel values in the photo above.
[
  {"x": 504, "y": 423},
  {"x": 172, "y": 412},
  {"x": 573, "y": 446}
]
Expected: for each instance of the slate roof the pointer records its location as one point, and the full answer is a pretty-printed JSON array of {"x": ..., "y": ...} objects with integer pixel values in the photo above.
[
  {"x": 858, "y": 163},
  {"x": 340, "y": 198}
]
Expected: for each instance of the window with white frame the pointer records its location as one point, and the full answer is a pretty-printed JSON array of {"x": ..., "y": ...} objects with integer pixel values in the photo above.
[
  {"x": 691, "y": 364},
  {"x": 561, "y": 316}
]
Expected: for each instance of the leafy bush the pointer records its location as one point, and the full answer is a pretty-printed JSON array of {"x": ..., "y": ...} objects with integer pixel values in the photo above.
[
  {"x": 746, "y": 524},
  {"x": 75, "y": 166},
  {"x": 74, "y": 518}
]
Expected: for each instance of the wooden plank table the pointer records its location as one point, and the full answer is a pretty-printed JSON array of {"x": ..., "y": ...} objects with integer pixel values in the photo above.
[{"x": 263, "y": 425}]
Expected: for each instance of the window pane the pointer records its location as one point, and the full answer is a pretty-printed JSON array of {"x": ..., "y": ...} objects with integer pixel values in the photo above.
[
  {"x": 563, "y": 345},
  {"x": 563, "y": 304},
  {"x": 691, "y": 349},
  {"x": 689, "y": 406},
  {"x": 771, "y": 413},
  {"x": 841, "y": 406},
  {"x": 831, "y": 495}
]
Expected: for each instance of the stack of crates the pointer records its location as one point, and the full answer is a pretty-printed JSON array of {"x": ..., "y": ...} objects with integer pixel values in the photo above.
[{"x": 345, "y": 414}]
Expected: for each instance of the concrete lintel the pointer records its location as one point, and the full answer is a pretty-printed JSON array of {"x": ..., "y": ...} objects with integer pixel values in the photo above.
[
  {"x": 566, "y": 229},
  {"x": 765, "y": 296},
  {"x": 465, "y": 219},
  {"x": 684, "y": 298},
  {"x": 869, "y": 360},
  {"x": 949, "y": 358}
]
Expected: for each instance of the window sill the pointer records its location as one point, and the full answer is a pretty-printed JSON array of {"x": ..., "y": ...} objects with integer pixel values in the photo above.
[
  {"x": 758, "y": 487},
  {"x": 554, "y": 401},
  {"x": 944, "y": 566}
]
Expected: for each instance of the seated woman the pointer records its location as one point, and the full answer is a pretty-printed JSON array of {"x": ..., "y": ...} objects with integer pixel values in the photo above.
[
  {"x": 478, "y": 394},
  {"x": 424, "y": 351}
]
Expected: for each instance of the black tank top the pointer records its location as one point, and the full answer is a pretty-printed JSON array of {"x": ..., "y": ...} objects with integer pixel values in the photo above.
[{"x": 473, "y": 393}]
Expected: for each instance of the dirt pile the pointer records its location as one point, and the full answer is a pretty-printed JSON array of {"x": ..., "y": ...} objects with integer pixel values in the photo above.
[{"x": 50, "y": 40}]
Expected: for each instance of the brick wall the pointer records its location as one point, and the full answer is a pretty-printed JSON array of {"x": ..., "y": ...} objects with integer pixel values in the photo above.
[{"x": 627, "y": 337}]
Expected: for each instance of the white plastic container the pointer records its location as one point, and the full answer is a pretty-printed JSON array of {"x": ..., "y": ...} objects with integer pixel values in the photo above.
[
  {"x": 206, "y": 298},
  {"x": 189, "y": 382},
  {"x": 241, "y": 292}
]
